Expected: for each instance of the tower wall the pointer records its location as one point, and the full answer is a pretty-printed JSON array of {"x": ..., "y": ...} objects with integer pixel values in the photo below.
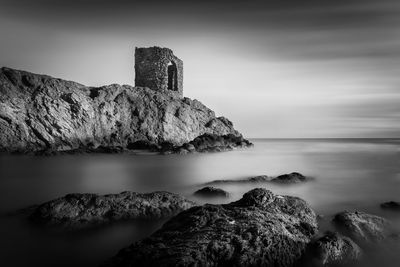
[{"x": 159, "y": 69}]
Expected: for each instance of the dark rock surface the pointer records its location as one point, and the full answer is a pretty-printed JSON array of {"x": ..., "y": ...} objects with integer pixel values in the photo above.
[
  {"x": 210, "y": 191},
  {"x": 391, "y": 205},
  {"x": 41, "y": 113},
  {"x": 293, "y": 177},
  {"x": 261, "y": 229},
  {"x": 212, "y": 143},
  {"x": 362, "y": 227},
  {"x": 332, "y": 249},
  {"x": 77, "y": 211}
]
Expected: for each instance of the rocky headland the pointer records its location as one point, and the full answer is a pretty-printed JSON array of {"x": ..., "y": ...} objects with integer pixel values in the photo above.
[{"x": 42, "y": 114}]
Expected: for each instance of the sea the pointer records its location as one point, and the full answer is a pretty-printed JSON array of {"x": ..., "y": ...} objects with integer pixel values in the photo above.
[{"x": 348, "y": 174}]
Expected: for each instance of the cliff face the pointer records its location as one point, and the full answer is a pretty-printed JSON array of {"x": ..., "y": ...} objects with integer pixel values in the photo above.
[{"x": 40, "y": 112}]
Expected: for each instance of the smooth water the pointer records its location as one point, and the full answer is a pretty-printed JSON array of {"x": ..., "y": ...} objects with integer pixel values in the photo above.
[{"x": 350, "y": 174}]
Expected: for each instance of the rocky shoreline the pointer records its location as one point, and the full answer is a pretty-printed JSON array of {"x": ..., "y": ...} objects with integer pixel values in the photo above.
[{"x": 260, "y": 229}]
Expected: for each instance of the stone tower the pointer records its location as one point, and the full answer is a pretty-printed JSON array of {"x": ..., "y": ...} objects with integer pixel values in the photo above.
[{"x": 159, "y": 69}]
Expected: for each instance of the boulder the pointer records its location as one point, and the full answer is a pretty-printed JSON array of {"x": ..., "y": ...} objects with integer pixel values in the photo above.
[
  {"x": 293, "y": 177},
  {"x": 391, "y": 205},
  {"x": 362, "y": 227},
  {"x": 332, "y": 249},
  {"x": 212, "y": 143},
  {"x": 42, "y": 113},
  {"x": 260, "y": 229},
  {"x": 210, "y": 191},
  {"x": 77, "y": 211}
]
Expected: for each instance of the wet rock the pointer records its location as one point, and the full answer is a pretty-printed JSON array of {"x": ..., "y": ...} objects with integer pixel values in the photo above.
[
  {"x": 362, "y": 227},
  {"x": 293, "y": 177},
  {"x": 212, "y": 143},
  {"x": 332, "y": 249},
  {"x": 77, "y": 211},
  {"x": 261, "y": 229},
  {"x": 210, "y": 191},
  {"x": 41, "y": 113},
  {"x": 391, "y": 205}
]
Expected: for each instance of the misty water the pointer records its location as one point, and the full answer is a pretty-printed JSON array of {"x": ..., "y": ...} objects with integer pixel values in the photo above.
[{"x": 352, "y": 174}]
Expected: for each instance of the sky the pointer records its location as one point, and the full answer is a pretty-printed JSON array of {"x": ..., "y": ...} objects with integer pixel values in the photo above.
[{"x": 276, "y": 68}]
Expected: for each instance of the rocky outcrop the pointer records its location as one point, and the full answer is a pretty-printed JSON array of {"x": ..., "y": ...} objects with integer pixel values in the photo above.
[
  {"x": 261, "y": 229},
  {"x": 211, "y": 143},
  {"x": 332, "y": 249},
  {"x": 362, "y": 227},
  {"x": 391, "y": 205},
  {"x": 77, "y": 211},
  {"x": 38, "y": 112},
  {"x": 293, "y": 177},
  {"x": 210, "y": 191}
]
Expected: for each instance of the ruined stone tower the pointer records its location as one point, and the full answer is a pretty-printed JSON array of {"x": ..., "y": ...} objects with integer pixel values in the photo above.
[{"x": 159, "y": 69}]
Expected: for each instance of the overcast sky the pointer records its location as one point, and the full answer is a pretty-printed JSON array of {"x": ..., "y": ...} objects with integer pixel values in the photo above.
[{"x": 275, "y": 68}]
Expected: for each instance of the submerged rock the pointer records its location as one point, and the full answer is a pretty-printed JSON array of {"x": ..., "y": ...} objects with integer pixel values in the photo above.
[
  {"x": 86, "y": 210},
  {"x": 332, "y": 249},
  {"x": 362, "y": 227},
  {"x": 210, "y": 191},
  {"x": 293, "y": 177},
  {"x": 42, "y": 113},
  {"x": 261, "y": 229},
  {"x": 391, "y": 205}
]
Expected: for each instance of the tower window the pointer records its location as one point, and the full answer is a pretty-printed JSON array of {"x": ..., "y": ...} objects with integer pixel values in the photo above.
[{"x": 172, "y": 77}]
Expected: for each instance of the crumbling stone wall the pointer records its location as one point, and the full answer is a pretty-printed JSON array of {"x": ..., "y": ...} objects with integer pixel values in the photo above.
[{"x": 159, "y": 69}]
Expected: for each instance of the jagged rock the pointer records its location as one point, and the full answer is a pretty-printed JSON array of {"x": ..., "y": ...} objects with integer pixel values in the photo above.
[
  {"x": 362, "y": 227},
  {"x": 38, "y": 113},
  {"x": 211, "y": 143},
  {"x": 77, "y": 211},
  {"x": 210, "y": 191},
  {"x": 332, "y": 249},
  {"x": 391, "y": 205},
  {"x": 261, "y": 229},
  {"x": 293, "y": 177}
]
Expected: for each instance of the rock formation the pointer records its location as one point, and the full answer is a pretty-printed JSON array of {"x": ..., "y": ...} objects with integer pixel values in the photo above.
[
  {"x": 261, "y": 229},
  {"x": 210, "y": 191},
  {"x": 391, "y": 205},
  {"x": 293, "y": 177},
  {"x": 76, "y": 211},
  {"x": 332, "y": 249},
  {"x": 38, "y": 112},
  {"x": 362, "y": 227}
]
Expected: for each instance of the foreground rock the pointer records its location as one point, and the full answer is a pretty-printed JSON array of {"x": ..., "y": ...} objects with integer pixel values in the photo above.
[
  {"x": 332, "y": 249},
  {"x": 86, "y": 210},
  {"x": 293, "y": 177},
  {"x": 210, "y": 191},
  {"x": 362, "y": 227},
  {"x": 391, "y": 205},
  {"x": 41, "y": 113},
  {"x": 261, "y": 229}
]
